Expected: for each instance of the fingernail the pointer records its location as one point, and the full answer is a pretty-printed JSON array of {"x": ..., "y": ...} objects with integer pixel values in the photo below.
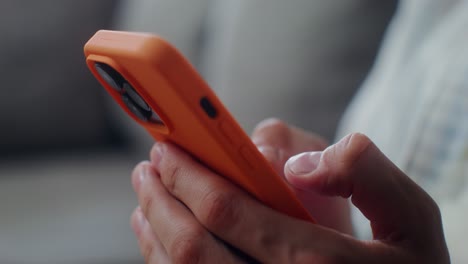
[
  {"x": 140, "y": 217},
  {"x": 157, "y": 153},
  {"x": 141, "y": 175},
  {"x": 137, "y": 180},
  {"x": 304, "y": 163}
]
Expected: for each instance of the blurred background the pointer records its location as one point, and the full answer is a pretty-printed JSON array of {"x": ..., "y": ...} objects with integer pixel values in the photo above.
[{"x": 66, "y": 150}]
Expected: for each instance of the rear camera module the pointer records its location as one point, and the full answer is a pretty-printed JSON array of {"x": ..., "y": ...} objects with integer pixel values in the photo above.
[
  {"x": 130, "y": 97},
  {"x": 140, "y": 113},
  {"x": 135, "y": 97},
  {"x": 111, "y": 76}
]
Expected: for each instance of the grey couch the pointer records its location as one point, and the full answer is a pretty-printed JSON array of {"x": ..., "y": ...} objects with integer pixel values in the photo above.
[{"x": 66, "y": 150}]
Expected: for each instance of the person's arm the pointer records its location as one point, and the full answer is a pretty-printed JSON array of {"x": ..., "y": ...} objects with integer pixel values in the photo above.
[{"x": 186, "y": 210}]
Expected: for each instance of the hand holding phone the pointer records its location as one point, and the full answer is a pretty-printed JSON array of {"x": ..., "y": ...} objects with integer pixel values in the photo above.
[{"x": 161, "y": 91}]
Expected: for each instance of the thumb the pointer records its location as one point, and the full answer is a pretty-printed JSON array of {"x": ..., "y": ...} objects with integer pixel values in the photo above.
[{"x": 355, "y": 167}]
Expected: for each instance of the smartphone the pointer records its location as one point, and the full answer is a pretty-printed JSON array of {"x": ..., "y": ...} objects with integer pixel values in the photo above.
[{"x": 163, "y": 92}]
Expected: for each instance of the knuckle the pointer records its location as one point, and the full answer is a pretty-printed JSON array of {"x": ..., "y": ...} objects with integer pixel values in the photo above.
[
  {"x": 435, "y": 209},
  {"x": 432, "y": 210},
  {"x": 147, "y": 250},
  {"x": 358, "y": 141},
  {"x": 352, "y": 147},
  {"x": 187, "y": 246},
  {"x": 147, "y": 203},
  {"x": 341, "y": 159},
  {"x": 170, "y": 176},
  {"x": 218, "y": 210}
]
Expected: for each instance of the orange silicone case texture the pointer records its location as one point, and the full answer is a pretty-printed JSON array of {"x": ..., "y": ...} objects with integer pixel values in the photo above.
[{"x": 172, "y": 88}]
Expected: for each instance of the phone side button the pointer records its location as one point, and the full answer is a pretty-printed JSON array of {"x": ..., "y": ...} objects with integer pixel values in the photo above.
[
  {"x": 228, "y": 132},
  {"x": 248, "y": 156}
]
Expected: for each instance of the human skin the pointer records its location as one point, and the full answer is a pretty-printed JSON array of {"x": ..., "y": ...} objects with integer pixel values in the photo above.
[
  {"x": 188, "y": 214},
  {"x": 278, "y": 142}
]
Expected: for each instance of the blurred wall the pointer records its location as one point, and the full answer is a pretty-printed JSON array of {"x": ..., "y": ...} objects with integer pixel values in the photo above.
[
  {"x": 298, "y": 60},
  {"x": 50, "y": 101}
]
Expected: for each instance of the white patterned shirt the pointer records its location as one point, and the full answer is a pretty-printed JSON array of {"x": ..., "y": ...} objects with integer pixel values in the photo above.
[{"x": 414, "y": 106}]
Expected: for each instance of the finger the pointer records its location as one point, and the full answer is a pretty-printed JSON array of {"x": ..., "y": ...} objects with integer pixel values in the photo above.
[
  {"x": 278, "y": 141},
  {"x": 394, "y": 204},
  {"x": 276, "y": 157},
  {"x": 277, "y": 134},
  {"x": 233, "y": 215},
  {"x": 332, "y": 212},
  {"x": 183, "y": 237},
  {"x": 150, "y": 246}
]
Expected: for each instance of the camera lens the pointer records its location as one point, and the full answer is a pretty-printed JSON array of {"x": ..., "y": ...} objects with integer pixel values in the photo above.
[
  {"x": 111, "y": 76},
  {"x": 136, "y": 98},
  {"x": 139, "y": 112},
  {"x": 132, "y": 100},
  {"x": 155, "y": 118}
]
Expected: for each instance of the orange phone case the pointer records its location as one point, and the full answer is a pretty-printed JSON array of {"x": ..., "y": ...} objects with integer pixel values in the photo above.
[{"x": 194, "y": 118}]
